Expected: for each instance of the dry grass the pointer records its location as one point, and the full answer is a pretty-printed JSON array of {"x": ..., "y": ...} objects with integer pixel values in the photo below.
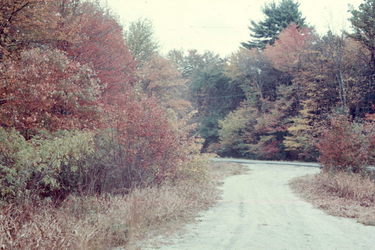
[
  {"x": 340, "y": 194},
  {"x": 220, "y": 170},
  {"x": 112, "y": 221},
  {"x": 206, "y": 195}
]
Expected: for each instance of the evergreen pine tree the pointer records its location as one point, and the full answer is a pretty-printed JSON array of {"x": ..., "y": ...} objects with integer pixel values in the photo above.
[
  {"x": 278, "y": 17},
  {"x": 363, "y": 23}
]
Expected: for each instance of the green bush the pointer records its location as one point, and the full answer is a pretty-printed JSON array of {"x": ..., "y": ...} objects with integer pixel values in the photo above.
[
  {"x": 14, "y": 151},
  {"x": 48, "y": 165},
  {"x": 56, "y": 164},
  {"x": 60, "y": 162}
]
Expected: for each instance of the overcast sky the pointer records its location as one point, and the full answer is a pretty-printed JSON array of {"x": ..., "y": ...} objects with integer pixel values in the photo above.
[{"x": 220, "y": 25}]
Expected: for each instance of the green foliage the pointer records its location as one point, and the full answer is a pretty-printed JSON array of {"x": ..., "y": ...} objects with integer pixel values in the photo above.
[
  {"x": 48, "y": 165},
  {"x": 140, "y": 40},
  {"x": 13, "y": 154},
  {"x": 212, "y": 92},
  {"x": 59, "y": 161},
  {"x": 233, "y": 132},
  {"x": 277, "y": 17},
  {"x": 55, "y": 165},
  {"x": 363, "y": 23},
  {"x": 210, "y": 89}
]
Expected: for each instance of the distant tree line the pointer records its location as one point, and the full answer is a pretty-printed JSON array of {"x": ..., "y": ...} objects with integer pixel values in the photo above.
[{"x": 289, "y": 93}]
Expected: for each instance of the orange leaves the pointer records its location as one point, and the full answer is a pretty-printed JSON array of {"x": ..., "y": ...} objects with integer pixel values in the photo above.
[
  {"x": 143, "y": 132},
  {"x": 44, "y": 89},
  {"x": 286, "y": 53},
  {"x": 159, "y": 78},
  {"x": 159, "y": 73},
  {"x": 370, "y": 117},
  {"x": 104, "y": 48},
  {"x": 24, "y": 22},
  {"x": 73, "y": 71},
  {"x": 346, "y": 146}
]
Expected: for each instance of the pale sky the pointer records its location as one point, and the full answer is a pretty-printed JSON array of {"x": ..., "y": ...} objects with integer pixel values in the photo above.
[{"x": 220, "y": 25}]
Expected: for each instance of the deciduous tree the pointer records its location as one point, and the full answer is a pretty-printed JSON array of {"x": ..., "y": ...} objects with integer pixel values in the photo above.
[
  {"x": 29, "y": 23},
  {"x": 286, "y": 53},
  {"x": 140, "y": 41},
  {"x": 44, "y": 89},
  {"x": 105, "y": 50},
  {"x": 159, "y": 78}
]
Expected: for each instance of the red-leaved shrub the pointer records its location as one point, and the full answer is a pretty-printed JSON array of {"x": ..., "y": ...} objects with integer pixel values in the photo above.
[{"x": 346, "y": 146}]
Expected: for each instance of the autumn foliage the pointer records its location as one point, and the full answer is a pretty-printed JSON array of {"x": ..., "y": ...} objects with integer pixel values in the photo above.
[
  {"x": 72, "y": 117},
  {"x": 103, "y": 47},
  {"x": 298, "y": 89},
  {"x": 286, "y": 53},
  {"x": 346, "y": 146},
  {"x": 45, "y": 89}
]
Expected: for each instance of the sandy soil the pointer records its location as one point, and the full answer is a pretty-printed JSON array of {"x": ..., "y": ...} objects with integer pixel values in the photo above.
[{"x": 258, "y": 210}]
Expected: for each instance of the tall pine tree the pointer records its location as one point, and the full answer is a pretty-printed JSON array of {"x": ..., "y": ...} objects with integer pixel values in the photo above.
[
  {"x": 363, "y": 23},
  {"x": 277, "y": 18}
]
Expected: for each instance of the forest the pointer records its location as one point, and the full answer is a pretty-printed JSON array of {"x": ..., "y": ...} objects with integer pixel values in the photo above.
[
  {"x": 289, "y": 93},
  {"x": 90, "y": 108}
]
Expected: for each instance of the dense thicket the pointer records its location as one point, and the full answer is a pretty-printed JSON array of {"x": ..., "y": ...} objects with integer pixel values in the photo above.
[{"x": 79, "y": 111}]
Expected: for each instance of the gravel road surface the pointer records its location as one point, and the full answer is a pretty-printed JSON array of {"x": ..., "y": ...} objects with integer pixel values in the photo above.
[{"x": 258, "y": 210}]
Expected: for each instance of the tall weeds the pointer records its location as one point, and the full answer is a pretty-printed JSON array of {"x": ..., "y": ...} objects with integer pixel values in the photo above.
[
  {"x": 101, "y": 222},
  {"x": 350, "y": 186},
  {"x": 340, "y": 194}
]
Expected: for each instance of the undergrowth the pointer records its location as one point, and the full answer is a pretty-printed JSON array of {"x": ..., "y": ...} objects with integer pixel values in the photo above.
[
  {"x": 99, "y": 222},
  {"x": 108, "y": 221}
]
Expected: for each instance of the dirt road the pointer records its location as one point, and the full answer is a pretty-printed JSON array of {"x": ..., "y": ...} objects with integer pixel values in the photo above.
[{"x": 258, "y": 210}]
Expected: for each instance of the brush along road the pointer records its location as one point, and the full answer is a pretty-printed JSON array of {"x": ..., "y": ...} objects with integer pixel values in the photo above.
[{"x": 258, "y": 210}]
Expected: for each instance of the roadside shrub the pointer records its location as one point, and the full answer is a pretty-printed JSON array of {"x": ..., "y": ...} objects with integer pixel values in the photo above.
[
  {"x": 49, "y": 165},
  {"x": 145, "y": 146},
  {"x": 13, "y": 154},
  {"x": 143, "y": 150},
  {"x": 346, "y": 146},
  {"x": 60, "y": 162}
]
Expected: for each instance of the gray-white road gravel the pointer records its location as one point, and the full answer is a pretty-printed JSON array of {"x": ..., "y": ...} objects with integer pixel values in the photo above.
[{"x": 258, "y": 210}]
